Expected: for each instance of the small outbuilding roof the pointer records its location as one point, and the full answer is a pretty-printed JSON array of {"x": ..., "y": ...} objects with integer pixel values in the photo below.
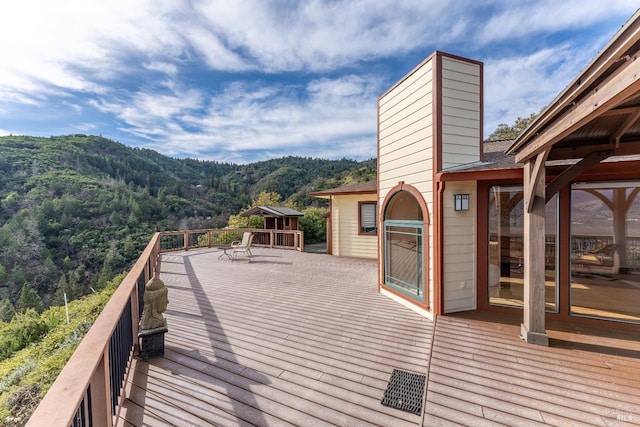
[
  {"x": 368, "y": 187},
  {"x": 271, "y": 211}
]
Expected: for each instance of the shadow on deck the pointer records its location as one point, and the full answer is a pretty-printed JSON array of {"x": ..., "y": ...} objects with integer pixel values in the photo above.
[{"x": 293, "y": 338}]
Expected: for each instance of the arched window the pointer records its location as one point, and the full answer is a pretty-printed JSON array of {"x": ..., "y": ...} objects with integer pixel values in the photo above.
[{"x": 404, "y": 245}]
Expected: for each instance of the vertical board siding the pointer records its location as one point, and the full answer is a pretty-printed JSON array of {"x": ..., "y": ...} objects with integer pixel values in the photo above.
[
  {"x": 459, "y": 246},
  {"x": 461, "y": 115},
  {"x": 345, "y": 225},
  {"x": 405, "y": 143}
]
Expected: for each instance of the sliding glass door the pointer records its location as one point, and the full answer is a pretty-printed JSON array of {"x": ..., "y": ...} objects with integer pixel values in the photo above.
[{"x": 605, "y": 250}]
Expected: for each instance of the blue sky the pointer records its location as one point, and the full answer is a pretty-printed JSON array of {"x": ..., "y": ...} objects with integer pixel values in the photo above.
[{"x": 244, "y": 81}]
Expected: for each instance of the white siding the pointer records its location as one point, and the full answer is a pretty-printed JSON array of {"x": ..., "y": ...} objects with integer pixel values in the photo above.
[
  {"x": 405, "y": 142},
  {"x": 346, "y": 240},
  {"x": 461, "y": 104},
  {"x": 459, "y": 249}
]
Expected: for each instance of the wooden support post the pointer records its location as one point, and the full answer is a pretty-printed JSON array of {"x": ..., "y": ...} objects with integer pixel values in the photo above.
[{"x": 533, "y": 327}]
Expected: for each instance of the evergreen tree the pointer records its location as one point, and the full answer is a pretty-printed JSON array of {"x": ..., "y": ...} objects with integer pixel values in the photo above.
[
  {"x": 7, "y": 311},
  {"x": 61, "y": 289},
  {"x": 29, "y": 298},
  {"x": 75, "y": 287}
]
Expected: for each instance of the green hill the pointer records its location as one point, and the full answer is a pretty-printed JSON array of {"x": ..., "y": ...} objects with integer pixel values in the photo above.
[{"x": 76, "y": 210}]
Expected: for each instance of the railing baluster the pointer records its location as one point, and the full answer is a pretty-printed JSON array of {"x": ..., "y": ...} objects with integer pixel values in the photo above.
[{"x": 120, "y": 347}]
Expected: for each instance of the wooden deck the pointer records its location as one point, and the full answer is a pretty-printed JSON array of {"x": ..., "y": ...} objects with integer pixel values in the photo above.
[{"x": 305, "y": 339}]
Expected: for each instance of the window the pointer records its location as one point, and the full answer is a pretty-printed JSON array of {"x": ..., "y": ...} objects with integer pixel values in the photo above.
[
  {"x": 368, "y": 218},
  {"x": 506, "y": 248},
  {"x": 605, "y": 250},
  {"x": 404, "y": 246}
]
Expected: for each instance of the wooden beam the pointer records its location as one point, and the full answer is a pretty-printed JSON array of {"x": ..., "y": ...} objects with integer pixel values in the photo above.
[
  {"x": 617, "y": 87},
  {"x": 574, "y": 171},
  {"x": 538, "y": 168},
  {"x": 626, "y": 148},
  {"x": 620, "y": 111},
  {"x": 615, "y": 138}
]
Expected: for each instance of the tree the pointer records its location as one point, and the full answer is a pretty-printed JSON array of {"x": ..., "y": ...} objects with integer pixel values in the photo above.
[
  {"x": 237, "y": 221},
  {"x": 266, "y": 198},
  {"x": 29, "y": 298},
  {"x": 7, "y": 311},
  {"x": 506, "y": 132},
  {"x": 61, "y": 289},
  {"x": 314, "y": 225}
]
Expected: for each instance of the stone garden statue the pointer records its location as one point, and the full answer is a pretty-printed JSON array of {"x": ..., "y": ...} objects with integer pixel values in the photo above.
[
  {"x": 155, "y": 303},
  {"x": 152, "y": 324}
]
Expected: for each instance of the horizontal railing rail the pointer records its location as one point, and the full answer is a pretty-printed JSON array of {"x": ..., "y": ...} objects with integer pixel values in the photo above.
[
  {"x": 193, "y": 239},
  {"x": 88, "y": 390}
]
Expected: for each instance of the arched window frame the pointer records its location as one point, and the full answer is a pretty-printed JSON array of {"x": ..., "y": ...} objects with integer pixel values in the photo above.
[{"x": 423, "y": 302}]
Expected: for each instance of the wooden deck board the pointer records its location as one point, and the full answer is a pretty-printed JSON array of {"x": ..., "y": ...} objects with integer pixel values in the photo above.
[
  {"x": 305, "y": 339},
  {"x": 287, "y": 338},
  {"x": 478, "y": 366}
]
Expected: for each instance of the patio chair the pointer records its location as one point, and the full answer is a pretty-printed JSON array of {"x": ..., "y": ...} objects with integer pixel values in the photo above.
[{"x": 243, "y": 245}]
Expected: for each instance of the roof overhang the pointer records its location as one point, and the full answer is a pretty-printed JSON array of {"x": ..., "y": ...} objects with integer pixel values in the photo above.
[
  {"x": 598, "y": 114},
  {"x": 271, "y": 212},
  {"x": 369, "y": 187}
]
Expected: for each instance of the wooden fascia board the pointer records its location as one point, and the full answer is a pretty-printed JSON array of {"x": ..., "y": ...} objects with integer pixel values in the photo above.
[
  {"x": 481, "y": 175},
  {"x": 612, "y": 91}
]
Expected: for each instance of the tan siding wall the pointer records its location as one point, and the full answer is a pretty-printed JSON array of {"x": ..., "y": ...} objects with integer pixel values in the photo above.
[
  {"x": 459, "y": 246},
  {"x": 346, "y": 240},
  {"x": 406, "y": 142},
  {"x": 461, "y": 103}
]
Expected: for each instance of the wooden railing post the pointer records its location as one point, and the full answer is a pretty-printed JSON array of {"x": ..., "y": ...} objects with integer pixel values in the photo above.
[{"x": 100, "y": 392}]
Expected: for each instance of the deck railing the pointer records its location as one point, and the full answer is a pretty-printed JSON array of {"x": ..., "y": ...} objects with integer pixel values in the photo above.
[
  {"x": 192, "y": 239},
  {"x": 87, "y": 392}
]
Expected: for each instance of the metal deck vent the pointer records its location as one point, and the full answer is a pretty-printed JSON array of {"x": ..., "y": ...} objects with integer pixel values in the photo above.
[{"x": 405, "y": 392}]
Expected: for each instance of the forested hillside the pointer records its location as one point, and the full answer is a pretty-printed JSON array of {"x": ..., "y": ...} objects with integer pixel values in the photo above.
[{"x": 76, "y": 210}]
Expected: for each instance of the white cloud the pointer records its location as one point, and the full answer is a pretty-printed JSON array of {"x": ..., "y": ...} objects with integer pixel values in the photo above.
[
  {"x": 162, "y": 67},
  {"x": 523, "y": 19},
  {"x": 198, "y": 77},
  {"x": 320, "y": 35},
  {"x": 518, "y": 86},
  {"x": 335, "y": 117}
]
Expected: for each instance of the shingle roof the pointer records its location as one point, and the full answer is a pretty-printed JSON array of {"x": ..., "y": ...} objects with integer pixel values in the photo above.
[
  {"x": 361, "y": 188},
  {"x": 277, "y": 211}
]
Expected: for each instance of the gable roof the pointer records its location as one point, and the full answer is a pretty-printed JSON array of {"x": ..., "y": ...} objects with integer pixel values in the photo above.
[
  {"x": 271, "y": 211},
  {"x": 369, "y": 187}
]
